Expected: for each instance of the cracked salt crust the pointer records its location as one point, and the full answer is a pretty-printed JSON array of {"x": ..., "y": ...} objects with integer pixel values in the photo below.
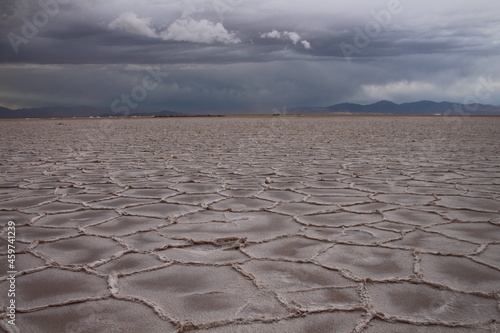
[{"x": 265, "y": 224}]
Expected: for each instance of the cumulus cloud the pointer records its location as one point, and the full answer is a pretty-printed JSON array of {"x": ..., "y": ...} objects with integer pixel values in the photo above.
[
  {"x": 273, "y": 34},
  {"x": 183, "y": 29},
  {"x": 293, "y": 36},
  {"x": 203, "y": 31},
  {"x": 306, "y": 44},
  {"x": 286, "y": 35},
  {"x": 131, "y": 23}
]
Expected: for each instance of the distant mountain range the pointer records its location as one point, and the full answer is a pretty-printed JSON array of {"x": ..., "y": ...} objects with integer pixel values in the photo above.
[
  {"x": 382, "y": 107},
  {"x": 415, "y": 108}
]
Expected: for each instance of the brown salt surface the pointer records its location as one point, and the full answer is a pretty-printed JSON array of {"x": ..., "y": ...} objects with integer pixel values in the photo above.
[
  {"x": 55, "y": 286},
  {"x": 322, "y": 322},
  {"x": 129, "y": 263},
  {"x": 369, "y": 263},
  {"x": 415, "y": 217},
  {"x": 329, "y": 192},
  {"x": 286, "y": 186},
  {"x": 434, "y": 190},
  {"x": 195, "y": 199},
  {"x": 293, "y": 248},
  {"x": 339, "y": 219},
  {"x": 85, "y": 198},
  {"x": 24, "y": 261},
  {"x": 148, "y": 193},
  {"x": 433, "y": 243},
  {"x": 239, "y": 193},
  {"x": 19, "y": 203},
  {"x": 335, "y": 200},
  {"x": 354, "y": 235},
  {"x": 329, "y": 185},
  {"x": 301, "y": 208},
  {"x": 161, "y": 210},
  {"x": 393, "y": 226},
  {"x": 198, "y": 188},
  {"x": 322, "y": 299},
  {"x": 8, "y": 194},
  {"x": 281, "y": 196},
  {"x": 209, "y": 216},
  {"x": 490, "y": 255},
  {"x": 208, "y": 254},
  {"x": 369, "y": 207},
  {"x": 146, "y": 241},
  {"x": 476, "y": 204},
  {"x": 32, "y": 233},
  {"x": 404, "y": 199},
  {"x": 19, "y": 247},
  {"x": 18, "y": 217},
  {"x": 255, "y": 227},
  {"x": 242, "y": 204},
  {"x": 80, "y": 250},
  {"x": 124, "y": 225},
  {"x": 77, "y": 219},
  {"x": 460, "y": 273},
  {"x": 120, "y": 203},
  {"x": 203, "y": 294},
  {"x": 381, "y": 188},
  {"x": 289, "y": 276},
  {"x": 109, "y": 316},
  {"x": 471, "y": 216},
  {"x": 477, "y": 232},
  {"x": 379, "y": 326},
  {"x": 252, "y": 224},
  {"x": 427, "y": 304},
  {"x": 54, "y": 207}
]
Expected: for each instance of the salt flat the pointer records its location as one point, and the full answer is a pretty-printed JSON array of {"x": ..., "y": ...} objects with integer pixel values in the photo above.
[{"x": 253, "y": 224}]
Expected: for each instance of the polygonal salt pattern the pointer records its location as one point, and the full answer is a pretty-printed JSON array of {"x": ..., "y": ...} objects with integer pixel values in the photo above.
[
  {"x": 291, "y": 248},
  {"x": 55, "y": 286},
  {"x": 77, "y": 219},
  {"x": 204, "y": 254},
  {"x": 152, "y": 240},
  {"x": 423, "y": 303},
  {"x": 161, "y": 210},
  {"x": 80, "y": 250},
  {"x": 228, "y": 224},
  {"x": 470, "y": 203},
  {"x": 380, "y": 326},
  {"x": 242, "y": 204},
  {"x": 339, "y": 219},
  {"x": 477, "y": 231},
  {"x": 107, "y": 315},
  {"x": 353, "y": 235},
  {"x": 373, "y": 263},
  {"x": 323, "y": 299},
  {"x": 202, "y": 294},
  {"x": 125, "y": 225},
  {"x": 315, "y": 322},
  {"x": 433, "y": 243},
  {"x": 130, "y": 263},
  {"x": 290, "y": 277},
  {"x": 415, "y": 217},
  {"x": 254, "y": 227},
  {"x": 460, "y": 273}
]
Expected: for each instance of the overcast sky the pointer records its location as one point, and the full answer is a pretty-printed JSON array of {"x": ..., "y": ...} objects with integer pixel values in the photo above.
[{"x": 246, "y": 55}]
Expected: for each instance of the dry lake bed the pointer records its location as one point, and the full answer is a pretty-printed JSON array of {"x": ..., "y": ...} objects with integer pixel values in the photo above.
[{"x": 250, "y": 224}]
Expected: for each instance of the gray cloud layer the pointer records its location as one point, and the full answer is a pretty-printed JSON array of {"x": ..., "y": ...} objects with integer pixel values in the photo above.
[{"x": 244, "y": 55}]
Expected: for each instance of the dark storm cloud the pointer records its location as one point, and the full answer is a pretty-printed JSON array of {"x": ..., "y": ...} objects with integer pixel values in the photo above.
[{"x": 246, "y": 55}]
